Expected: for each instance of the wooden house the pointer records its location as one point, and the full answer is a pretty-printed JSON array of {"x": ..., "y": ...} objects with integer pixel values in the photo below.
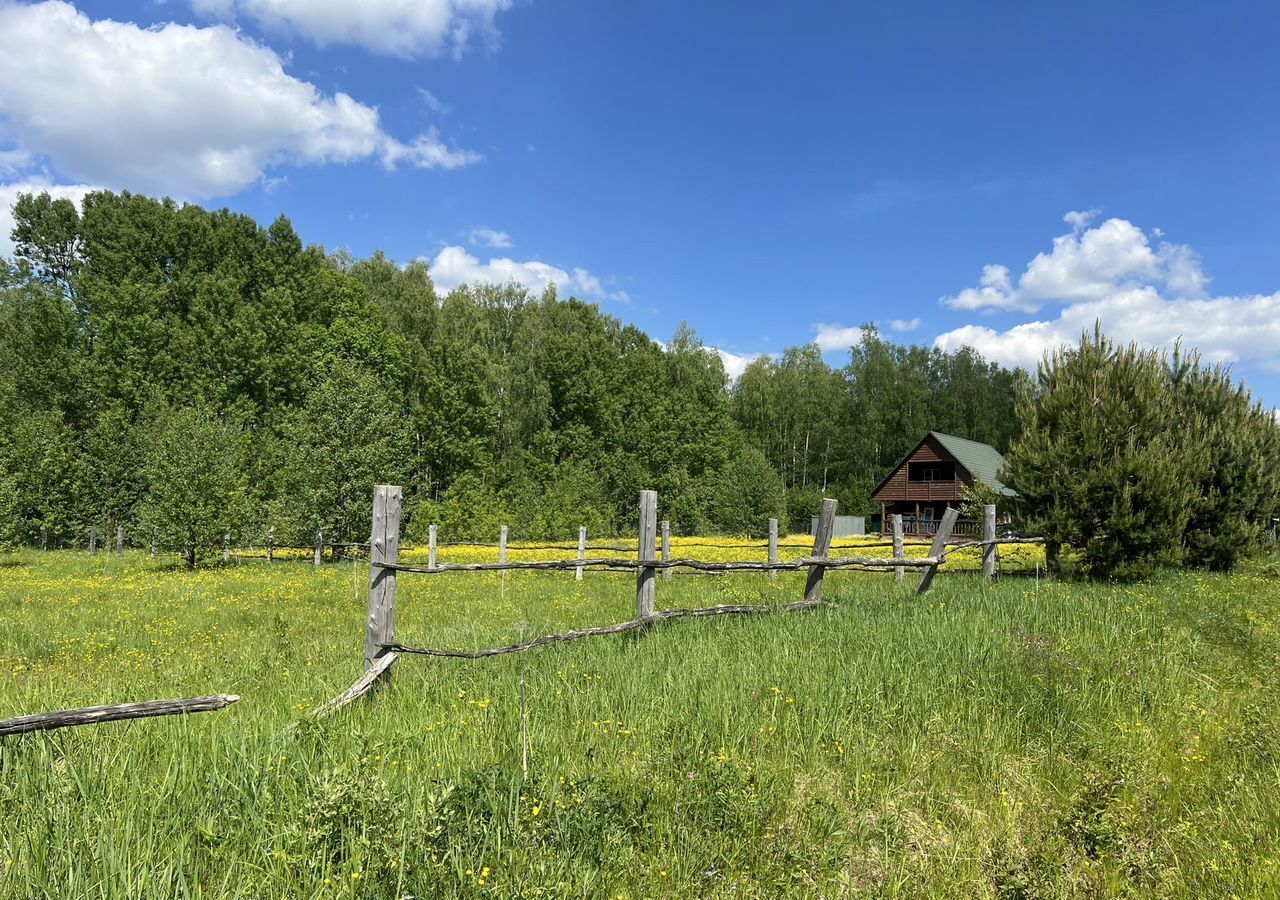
[{"x": 932, "y": 477}]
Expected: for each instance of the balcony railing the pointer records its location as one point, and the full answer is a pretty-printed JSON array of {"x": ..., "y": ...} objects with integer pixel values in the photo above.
[{"x": 966, "y": 527}]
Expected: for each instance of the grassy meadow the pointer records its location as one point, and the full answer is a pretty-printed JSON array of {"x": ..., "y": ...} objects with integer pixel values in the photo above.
[{"x": 1017, "y": 739}]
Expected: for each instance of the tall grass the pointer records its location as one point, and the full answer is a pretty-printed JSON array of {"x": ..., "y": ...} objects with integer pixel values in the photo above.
[{"x": 1020, "y": 739}]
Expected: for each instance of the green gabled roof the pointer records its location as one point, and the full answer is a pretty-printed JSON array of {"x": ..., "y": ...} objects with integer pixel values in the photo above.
[{"x": 982, "y": 460}]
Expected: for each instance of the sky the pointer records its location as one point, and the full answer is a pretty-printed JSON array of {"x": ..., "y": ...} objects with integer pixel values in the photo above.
[{"x": 997, "y": 174}]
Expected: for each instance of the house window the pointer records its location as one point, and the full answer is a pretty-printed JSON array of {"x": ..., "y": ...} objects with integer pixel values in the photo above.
[{"x": 931, "y": 471}]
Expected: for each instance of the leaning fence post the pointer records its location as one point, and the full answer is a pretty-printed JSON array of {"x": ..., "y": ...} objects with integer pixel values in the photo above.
[
  {"x": 582, "y": 550},
  {"x": 502, "y": 544},
  {"x": 773, "y": 548},
  {"x": 899, "y": 548},
  {"x": 384, "y": 550},
  {"x": 646, "y": 585},
  {"x": 271, "y": 543},
  {"x": 431, "y": 547},
  {"x": 989, "y": 546},
  {"x": 119, "y": 540},
  {"x": 821, "y": 547},
  {"x": 319, "y": 545},
  {"x": 93, "y": 540},
  {"x": 666, "y": 546},
  {"x": 939, "y": 547}
]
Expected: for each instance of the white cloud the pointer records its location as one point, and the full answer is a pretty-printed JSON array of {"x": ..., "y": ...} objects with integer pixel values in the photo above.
[
  {"x": 454, "y": 266},
  {"x": 176, "y": 109},
  {"x": 1152, "y": 296},
  {"x": 1088, "y": 264},
  {"x": 835, "y": 337},
  {"x": 903, "y": 325},
  {"x": 35, "y": 185},
  {"x": 1079, "y": 219},
  {"x": 405, "y": 28},
  {"x": 433, "y": 103},
  {"x": 488, "y": 237},
  {"x": 735, "y": 363}
]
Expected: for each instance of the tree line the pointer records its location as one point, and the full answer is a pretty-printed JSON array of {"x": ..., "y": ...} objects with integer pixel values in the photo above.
[{"x": 187, "y": 372}]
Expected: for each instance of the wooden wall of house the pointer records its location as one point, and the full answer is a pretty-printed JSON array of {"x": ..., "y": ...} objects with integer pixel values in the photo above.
[{"x": 897, "y": 487}]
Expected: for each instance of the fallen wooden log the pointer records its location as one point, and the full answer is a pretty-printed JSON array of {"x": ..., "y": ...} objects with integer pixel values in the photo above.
[
  {"x": 95, "y": 715},
  {"x": 622, "y": 627}
]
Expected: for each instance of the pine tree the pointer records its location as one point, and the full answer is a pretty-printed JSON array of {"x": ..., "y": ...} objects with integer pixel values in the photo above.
[{"x": 1103, "y": 463}]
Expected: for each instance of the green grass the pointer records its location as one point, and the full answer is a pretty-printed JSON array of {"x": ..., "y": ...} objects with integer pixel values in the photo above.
[{"x": 1007, "y": 740}]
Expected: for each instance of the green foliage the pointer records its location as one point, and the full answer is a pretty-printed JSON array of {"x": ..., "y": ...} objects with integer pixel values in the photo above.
[
  {"x": 747, "y": 495},
  {"x": 346, "y": 437},
  {"x": 43, "y": 466},
  {"x": 1137, "y": 461},
  {"x": 1239, "y": 489},
  {"x": 195, "y": 478}
]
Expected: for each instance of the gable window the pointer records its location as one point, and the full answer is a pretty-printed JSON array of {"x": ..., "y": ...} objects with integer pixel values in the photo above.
[{"x": 931, "y": 471}]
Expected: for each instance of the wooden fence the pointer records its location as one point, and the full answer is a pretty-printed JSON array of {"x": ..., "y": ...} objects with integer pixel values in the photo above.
[{"x": 384, "y": 566}]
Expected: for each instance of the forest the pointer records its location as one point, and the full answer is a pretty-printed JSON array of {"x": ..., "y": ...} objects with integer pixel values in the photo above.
[{"x": 172, "y": 368}]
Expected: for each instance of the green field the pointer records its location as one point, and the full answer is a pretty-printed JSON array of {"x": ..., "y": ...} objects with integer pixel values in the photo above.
[{"x": 1019, "y": 739}]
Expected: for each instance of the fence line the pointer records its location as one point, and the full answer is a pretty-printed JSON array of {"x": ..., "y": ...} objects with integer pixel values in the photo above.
[{"x": 382, "y": 648}]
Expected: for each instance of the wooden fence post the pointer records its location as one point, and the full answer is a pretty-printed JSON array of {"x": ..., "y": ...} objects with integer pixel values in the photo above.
[
  {"x": 582, "y": 550},
  {"x": 93, "y": 539},
  {"x": 773, "y": 547},
  {"x": 384, "y": 550},
  {"x": 119, "y": 540},
  {"x": 271, "y": 543},
  {"x": 899, "y": 547},
  {"x": 502, "y": 544},
  {"x": 431, "y": 547},
  {"x": 646, "y": 584},
  {"x": 938, "y": 547},
  {"x": 319, "y": 545},
  {"x": 153, "y": 543},
  {"x": 989, "y": 550},
  {"x": 226, "y": 547},
  {"x": 821, "y": 547},
  {"x": 666, "y": 546}
]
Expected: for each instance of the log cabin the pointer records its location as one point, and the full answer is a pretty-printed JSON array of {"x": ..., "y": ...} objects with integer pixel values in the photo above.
[{"x": 934, "y": 476}]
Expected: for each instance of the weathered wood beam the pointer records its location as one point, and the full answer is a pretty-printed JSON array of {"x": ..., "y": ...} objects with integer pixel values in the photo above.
[{"x": 118, "y": 712}]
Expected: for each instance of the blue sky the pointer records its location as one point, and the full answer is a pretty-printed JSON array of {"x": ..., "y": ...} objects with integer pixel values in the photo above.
[{"x": 997, "y": 174}]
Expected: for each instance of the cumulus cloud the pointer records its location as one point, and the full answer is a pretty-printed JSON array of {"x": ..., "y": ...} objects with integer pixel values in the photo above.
[
  {"x": 405, "y": 28},
  {"x": 453, "y": 266},
  {"x": 735, "y": 363},
  {"x": 488, "y": 237},
  {"x": 34, "y": 185},
  {"x": 1150, "y": 295},
  {"x": 196, "y": 112},
  {"x": 904, "y": 325},
  {"x": 835, "y": 337},
  {"x": 1086, "y": 265}
]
